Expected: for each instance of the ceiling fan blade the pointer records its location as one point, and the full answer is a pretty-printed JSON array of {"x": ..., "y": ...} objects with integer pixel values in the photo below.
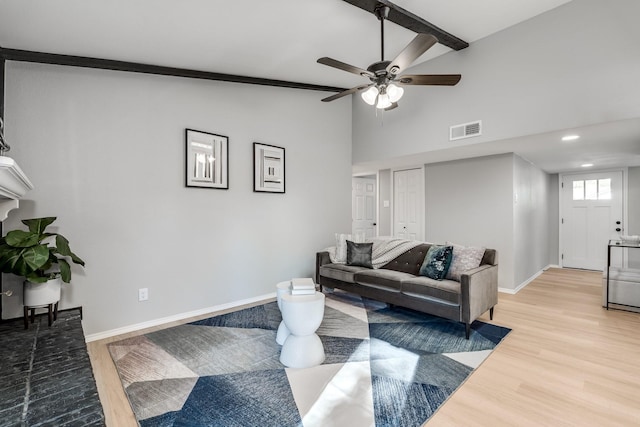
[
  {"x": 392, "y": 106},
  {"x": 344, "y": 66},
  {"x": 419, "y": 45},
  {"x": 346, "y": 92},
  {"x": 430, "y": 79}
]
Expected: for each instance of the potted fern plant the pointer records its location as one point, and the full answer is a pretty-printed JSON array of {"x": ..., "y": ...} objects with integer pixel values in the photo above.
[{"x": 42, "y": 258}]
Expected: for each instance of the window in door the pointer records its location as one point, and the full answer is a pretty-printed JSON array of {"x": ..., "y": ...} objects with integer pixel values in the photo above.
[{"x": 592, "y": 189}]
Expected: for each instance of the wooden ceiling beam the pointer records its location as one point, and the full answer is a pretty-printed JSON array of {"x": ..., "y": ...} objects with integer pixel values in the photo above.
[
  {"x": 411, "y": 21},
  {"x": 133, "y": 67}
]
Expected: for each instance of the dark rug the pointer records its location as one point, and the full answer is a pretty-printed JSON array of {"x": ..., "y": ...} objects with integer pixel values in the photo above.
[{"x": 384, "y": 366}]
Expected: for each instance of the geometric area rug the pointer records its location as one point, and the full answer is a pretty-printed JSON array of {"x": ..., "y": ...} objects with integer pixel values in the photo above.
[{"x": 384, "y": 366}]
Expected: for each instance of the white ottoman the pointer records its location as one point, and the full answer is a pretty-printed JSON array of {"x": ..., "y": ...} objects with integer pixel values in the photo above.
[
  {"x": 302, "y": 315},
  {"x": 282, "y": 288}
]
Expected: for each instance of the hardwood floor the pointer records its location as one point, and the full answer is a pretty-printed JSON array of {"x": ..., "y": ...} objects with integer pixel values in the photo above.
[{"x": 567, "y": 362}]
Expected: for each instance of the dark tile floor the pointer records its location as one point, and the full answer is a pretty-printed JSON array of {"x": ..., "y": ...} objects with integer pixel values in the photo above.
[{"x": 45, "y": 374}]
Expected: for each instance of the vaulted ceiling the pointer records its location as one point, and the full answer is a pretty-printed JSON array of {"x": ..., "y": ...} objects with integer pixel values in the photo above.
[{"x": 277, "y": 39}]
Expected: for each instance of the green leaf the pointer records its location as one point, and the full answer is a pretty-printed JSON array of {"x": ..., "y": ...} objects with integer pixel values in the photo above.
[
  {"x": 62, "y": 244},
  {"x": 38, "y": 225},
  {"x": 35, "y": 257},
  {"x": 65, "y": 270},
  {"x": 25, "y": 261},
  {"x": 76, "y": 259},
  {"x": 5, "y": 252},
  {"x": 22, "y": 239},
  {"x": 36, "y": 278}
]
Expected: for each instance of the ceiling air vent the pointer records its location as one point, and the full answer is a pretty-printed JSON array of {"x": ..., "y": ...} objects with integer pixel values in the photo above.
[{"x": 465, "y": 130}]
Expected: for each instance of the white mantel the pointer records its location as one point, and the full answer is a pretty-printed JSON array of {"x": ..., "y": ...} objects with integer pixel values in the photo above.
[{"x": 13, "y": 185}]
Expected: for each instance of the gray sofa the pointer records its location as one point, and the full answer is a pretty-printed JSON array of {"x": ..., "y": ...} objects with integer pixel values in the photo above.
[{"x": 398, "y": 283}]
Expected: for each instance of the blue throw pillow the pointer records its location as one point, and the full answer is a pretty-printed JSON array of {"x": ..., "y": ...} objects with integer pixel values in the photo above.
[{"x": 436, "y": 262}]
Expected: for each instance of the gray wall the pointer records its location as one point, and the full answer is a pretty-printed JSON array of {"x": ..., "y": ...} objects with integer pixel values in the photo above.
[
  {"x": 384, "y": 191},
  {"x": 633, "y": 222},
  {"x": 531, "y": 207},
  {"x": 105, "y": 151},
  {"x": 469, "y": 202},
  {"x": 569, "y": 67},
  {"x": 553, "y": 219}
]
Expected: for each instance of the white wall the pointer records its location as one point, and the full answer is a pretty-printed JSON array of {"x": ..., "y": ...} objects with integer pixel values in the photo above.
[
  {"x": 553, "y": 219},
  {"x": 105, "y": 151},
  {"x": 633, "y": 222},
  {"x": 531, "y": 226},
  {"x": 572, "y": 66},
  {"x": 469, "y": 202},
  {"x": 384, "y": 213}
]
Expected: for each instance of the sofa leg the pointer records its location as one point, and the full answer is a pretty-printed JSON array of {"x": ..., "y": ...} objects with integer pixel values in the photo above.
[
  {"x": 491, "y": 313},
  {"x": 467, "y": 330}
]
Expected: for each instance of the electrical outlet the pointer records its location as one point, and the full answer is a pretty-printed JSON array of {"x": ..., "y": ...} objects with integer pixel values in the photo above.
[{"x": 143, "y": 294}]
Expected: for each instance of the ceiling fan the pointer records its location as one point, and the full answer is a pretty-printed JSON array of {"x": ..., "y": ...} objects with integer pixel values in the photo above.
[{"x": 383, "y": 91}]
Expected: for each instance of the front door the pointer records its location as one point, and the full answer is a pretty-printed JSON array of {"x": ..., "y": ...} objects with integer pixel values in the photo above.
[
  {"x": 363, "y": 207},
  {"x": 591, "y": 215}
]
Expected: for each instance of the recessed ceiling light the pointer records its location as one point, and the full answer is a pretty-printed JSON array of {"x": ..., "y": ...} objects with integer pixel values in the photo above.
[
  {"x": 587, "y": 165},
  {"x": 570, "y": 137}
]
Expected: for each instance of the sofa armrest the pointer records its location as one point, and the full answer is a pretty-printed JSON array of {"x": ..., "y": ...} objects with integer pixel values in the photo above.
[
  {"x": 479, "y": 291},
  {"x": 322, "y": 258}
]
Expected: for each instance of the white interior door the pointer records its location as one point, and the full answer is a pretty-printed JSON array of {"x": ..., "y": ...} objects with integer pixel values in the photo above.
[
  {"x": 363, "y": 208},
  {"x": 407, "y": 204},
  {"x": 591, "y": 215}
]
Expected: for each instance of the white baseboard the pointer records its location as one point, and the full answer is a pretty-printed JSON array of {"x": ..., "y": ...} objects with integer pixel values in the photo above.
[
  {"x": 526, "y": 282},
  {"x": 176, "y": 317}
]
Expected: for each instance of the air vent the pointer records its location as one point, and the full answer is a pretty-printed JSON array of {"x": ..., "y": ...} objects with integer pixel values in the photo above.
[{"x": 465, "y": 130}]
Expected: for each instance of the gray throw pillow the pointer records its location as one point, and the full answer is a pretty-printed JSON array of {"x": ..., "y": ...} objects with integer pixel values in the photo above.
[
  {"x": 464, "y": 258},
  {"x": 359, "y": 254}
]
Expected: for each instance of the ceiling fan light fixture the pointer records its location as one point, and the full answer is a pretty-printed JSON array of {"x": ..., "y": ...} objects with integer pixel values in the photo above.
[
  {"x": 369, "y": 95},
  {"x": 394, "y": 92},
  {"x": 383, "y": 101}
]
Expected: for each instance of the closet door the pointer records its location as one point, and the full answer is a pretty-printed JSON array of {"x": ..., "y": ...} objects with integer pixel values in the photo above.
[
  {"x": 407, "y": 204},
  {"x": 363, "y": 207}
]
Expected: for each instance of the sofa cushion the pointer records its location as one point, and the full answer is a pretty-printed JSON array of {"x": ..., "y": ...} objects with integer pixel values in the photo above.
[
  {"x": 382, "y": 279},
  {"x": 424, "y": 287},
  {"x": 359, "y": 254},
  {"x": 340, "y": 272},
  {"x": 410, "y": 261},
  {"x": 436, "y": 262}
]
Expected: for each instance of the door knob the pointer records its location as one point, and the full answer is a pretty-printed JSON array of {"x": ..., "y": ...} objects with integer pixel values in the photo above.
[
  {"x": 374, "y": 224},
  {"x": 618, "y": 229},
  {"x": 618, "y": 222}
]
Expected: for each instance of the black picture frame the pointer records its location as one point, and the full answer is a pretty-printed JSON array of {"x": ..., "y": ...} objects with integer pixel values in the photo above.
[
  {"x": 206, "y": 160},
  {"x": 269, "y": 168}
]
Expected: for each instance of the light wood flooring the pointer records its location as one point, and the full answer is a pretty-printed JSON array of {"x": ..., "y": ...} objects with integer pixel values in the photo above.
[{"x": 567, "y": 362}]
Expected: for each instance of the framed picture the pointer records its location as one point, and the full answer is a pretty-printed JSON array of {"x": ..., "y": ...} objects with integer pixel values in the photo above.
[
  {"x": 207, "y": 164},
  {"x": 268, "y": 168}
]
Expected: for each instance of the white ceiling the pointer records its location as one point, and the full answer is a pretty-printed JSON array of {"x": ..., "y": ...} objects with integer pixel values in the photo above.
[
  {"x": 606, "y": 145},
  {"x": 276, "y": 39}
]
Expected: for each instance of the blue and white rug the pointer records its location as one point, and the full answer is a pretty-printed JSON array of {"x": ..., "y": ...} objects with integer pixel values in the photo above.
[{"x": 384, "y": 366}]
